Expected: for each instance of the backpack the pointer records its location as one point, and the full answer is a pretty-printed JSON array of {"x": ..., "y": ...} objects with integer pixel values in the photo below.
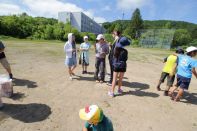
[{"x": 119, "y": 64}]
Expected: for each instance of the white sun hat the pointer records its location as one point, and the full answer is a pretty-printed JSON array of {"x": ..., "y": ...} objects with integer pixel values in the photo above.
[
  {"x": 100, "y": 36},
  {"x": 85, "y": 37},
  {"x": 191, "y": 48}
]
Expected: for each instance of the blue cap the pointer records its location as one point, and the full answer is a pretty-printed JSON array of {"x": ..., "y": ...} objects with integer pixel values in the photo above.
[{"x": 123, "y": 41}]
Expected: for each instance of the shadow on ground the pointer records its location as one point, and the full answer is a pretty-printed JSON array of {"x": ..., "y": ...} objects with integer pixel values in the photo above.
[
  {"x": 23, "y": 82},
  {"x": 190, "y": 98},
  {"x": 27, "y": 113},
  {"x": 17, "y": 96},
  {"x": 84, "y": 78},
  {"x": 139, "y": 90}
]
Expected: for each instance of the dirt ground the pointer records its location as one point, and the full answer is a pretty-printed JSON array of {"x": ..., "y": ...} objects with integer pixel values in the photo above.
[{"x": 46, "y": 100}]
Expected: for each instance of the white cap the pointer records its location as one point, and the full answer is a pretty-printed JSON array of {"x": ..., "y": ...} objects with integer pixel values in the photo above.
[
  {"x": 100, "y": 36},
  {"x": 85, "y": 37},
  {"x": 191, "y": 48}
]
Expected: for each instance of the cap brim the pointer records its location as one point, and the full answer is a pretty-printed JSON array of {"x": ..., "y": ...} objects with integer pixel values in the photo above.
[{"x": 83, "y": 115}]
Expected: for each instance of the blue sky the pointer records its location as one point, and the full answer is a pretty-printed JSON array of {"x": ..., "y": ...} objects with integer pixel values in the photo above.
[{"x": 106, "y": 10}]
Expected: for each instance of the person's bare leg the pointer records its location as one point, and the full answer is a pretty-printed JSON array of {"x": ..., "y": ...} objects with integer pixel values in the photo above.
[
  {"x": 179, "y": 95},
  {"x": 158, "y": 85},
  {"x": 121, "y": 75},
  {"x": 115, "y": 74},
  {"x": 9, "y": 70},
  {"x": 72, "y": 69}
]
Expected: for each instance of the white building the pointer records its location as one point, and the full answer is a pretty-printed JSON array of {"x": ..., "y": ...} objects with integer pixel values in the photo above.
[{"x": 81, "y": 22}]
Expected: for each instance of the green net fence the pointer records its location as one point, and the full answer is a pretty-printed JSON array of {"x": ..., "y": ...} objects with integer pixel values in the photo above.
[{"x": 156, "y": 38}]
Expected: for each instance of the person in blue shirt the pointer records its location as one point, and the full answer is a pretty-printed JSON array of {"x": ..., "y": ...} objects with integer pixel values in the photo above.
[
  {"x": 84, "y": 56},
  {"x": 186, "y": 66}
]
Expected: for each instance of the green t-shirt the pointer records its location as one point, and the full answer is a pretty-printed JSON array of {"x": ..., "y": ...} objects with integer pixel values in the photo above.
[{"x": 104, "y": 125}]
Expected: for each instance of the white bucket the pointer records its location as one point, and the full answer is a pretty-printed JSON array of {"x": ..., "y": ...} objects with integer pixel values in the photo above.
[{"x": 6, "y": 88}]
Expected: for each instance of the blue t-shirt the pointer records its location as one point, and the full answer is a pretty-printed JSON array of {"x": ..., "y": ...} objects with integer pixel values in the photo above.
[
  {"x": 185, "y": 65},
  {"x": 104, "y": 125}
]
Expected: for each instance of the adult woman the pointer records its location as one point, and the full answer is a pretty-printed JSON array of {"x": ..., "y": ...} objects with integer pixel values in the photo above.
[
  {"x": 119, "y": 64},
  {"x": 84, "y": 47},
  {"x": 71, "y": 54},
  {"x": 116, "y": 35}
]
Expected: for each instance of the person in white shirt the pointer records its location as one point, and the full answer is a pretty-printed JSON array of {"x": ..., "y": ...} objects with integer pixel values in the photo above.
[{"x": 71, "y": 54}]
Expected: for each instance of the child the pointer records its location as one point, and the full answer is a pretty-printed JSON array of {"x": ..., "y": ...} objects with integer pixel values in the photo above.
[
  {"x": 71, "y": 54},
  {"x": 95, "y": 119},
  {"x": 186, "y": 66},
  {"x": 102, "y": 49},
  {"x": 84, "y": 47},
  {"x": 119, "y": 64},
  {"x": 170, "y": 64}
]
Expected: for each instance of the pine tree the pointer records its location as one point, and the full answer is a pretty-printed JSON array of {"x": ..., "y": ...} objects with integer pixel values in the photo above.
[{"x": 136, "y": 24}]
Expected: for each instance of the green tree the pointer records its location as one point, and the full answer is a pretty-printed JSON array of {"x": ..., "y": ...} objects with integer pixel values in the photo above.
[
  {"x": 58, "y": 31},
  {"x": 168, "y": 25},
  {"x": 48, "y": 32},
  {"x": 118, "y": 27},
  {"x": 136, "y": 24},
  {"x": 181, "y": 38}
]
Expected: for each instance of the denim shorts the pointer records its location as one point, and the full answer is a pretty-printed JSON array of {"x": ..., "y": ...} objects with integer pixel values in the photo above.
[
  {"x": 183, "y": 82},
  {"x": 71, "y": 62}
]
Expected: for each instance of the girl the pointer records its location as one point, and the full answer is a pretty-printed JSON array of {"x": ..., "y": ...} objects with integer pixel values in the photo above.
[
  {"x": 71, "y": 56},
  {"x": 84, "y": 47},
  {"x": 119, "y": 64}
]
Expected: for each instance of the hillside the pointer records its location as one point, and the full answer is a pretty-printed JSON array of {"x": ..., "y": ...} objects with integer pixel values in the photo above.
[{"x": 156, "y": 24}]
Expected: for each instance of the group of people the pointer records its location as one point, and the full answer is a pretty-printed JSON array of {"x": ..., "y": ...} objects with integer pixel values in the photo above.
[
  {"x": 183, "y": 66},
  {"x": 117, "y": 58}
]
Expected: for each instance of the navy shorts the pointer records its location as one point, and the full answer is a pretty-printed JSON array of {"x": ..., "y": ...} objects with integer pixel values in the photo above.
[{"x": 183, "y": 82}]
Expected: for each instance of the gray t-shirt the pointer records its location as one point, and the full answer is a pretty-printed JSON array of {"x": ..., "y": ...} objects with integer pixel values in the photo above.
[{"x": 102, "y": 50}]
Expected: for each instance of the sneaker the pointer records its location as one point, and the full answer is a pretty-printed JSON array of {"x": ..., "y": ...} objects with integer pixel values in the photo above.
[
  {"x": 101, "y": 81},
  {"x": 120, "y": 91},
  {"x": 97, "y": 81},
  {"x": 165, "y": 93},
  {"x": 109, "y": 83},
  {"x": 110, "y": 94},
  {"x": 71, "y": 78}
]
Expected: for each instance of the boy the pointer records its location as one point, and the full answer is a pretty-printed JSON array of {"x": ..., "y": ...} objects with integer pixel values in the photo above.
[
  {"x": 4, "y": 61},
  {"x": 168, "y": 71},
  {"x": 186, "y": 66},
  {"x": 102, "y": 49},
  {"x": 96, "y": 120}
]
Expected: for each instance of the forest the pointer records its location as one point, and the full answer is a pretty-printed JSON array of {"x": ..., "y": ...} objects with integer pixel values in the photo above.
[{"x": 24, "y": 26}]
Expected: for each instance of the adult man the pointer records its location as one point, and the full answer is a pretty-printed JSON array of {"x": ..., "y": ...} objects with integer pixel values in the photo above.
[{"x": 102, "y": 49}]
